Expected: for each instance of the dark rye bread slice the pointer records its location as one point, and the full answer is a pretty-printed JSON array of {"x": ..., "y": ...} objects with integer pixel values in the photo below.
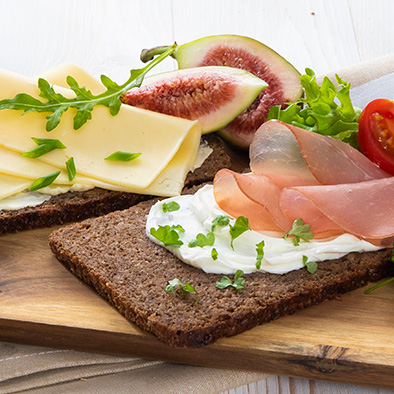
[
  {"x": 113, "y": 254},
  {"x": 75, "y": 206}
]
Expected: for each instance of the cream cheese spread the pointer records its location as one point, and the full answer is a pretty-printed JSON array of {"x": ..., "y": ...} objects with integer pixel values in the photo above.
[{"x": 196, "y": 214}]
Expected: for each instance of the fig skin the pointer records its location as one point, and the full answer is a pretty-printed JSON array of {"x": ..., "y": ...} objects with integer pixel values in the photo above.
[{"x": 246, "y": 53}]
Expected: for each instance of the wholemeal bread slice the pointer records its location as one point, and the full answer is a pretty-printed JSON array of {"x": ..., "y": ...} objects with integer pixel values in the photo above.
[
  {"x": 113, "y": 254},
  {"x": 74, "y": 206}
]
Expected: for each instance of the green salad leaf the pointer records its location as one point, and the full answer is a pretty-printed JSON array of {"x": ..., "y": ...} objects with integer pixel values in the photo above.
[
  {"x": 56, "y": 104},
  {"x": 326, "y": 109}
]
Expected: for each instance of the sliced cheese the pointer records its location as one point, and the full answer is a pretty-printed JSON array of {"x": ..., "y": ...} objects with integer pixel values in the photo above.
[
  {"x": 58, "y": 75},
  {"x": 10, "y": 185},
  {"x": 158, "y": 137}
]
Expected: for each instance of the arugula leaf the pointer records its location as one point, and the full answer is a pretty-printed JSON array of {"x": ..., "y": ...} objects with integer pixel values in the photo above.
[
  {"x": 167, "y": 235},
  {"x": 299, "y": 231},
  {"x": 170, "y": 206},
  {"x": 71, "y": 170},
  {"x": 238, "y": 283},
  {"x": 311, "y": 266},
  {"x": 260, "y": 253},
  {"x": 220, "y": 220},
  {"x": 44, "y": 181},
  {"x": 122, "y": 156},
  {"x": 202, "y": 240},
  {"x": 56, "y": 104},
  {"x": 240, "y": 226},
  {"x": 44, "y": 145},
  {"x": 325, "y": 109}
]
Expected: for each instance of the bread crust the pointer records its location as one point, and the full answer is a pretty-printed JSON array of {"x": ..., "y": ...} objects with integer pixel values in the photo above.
[{"x": 113, "y": 254}]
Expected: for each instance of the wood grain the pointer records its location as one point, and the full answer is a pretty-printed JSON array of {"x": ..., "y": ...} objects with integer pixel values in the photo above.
[{"x": 347, "y": 340}]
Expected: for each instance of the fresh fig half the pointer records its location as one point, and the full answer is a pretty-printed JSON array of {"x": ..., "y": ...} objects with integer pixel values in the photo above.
[
  {"x": 213, "y": 95},
  {"x": 248, "y": 54}
]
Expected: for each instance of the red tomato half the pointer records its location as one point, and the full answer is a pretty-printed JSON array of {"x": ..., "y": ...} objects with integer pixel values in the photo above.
[{"x": 376, "y": 133}]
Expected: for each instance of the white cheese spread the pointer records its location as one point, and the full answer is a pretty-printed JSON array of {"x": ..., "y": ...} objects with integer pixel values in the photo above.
[{"x": 196, "y": 214}]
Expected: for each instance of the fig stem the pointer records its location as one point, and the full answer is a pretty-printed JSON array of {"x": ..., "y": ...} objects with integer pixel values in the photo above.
[{"x": 149, "y": 54}]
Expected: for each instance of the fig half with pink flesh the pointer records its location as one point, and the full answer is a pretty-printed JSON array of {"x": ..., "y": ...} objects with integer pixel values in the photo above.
[
  {"x": 213, "y": 95},
  {"x": 248, "y": 54}
]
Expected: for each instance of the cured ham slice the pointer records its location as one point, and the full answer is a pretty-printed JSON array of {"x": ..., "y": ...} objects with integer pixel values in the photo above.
[{"x": 300, "y": 174}]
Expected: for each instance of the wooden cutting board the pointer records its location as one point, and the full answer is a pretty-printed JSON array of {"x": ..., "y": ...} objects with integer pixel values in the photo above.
[{"x": 347, "y": 340}]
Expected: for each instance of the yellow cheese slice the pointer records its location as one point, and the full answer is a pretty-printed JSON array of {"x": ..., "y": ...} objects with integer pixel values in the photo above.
[
  {"x": 10, "y": 185},
  {"x": 158, "y": 137},
  {"x": 57, "y": 76}
]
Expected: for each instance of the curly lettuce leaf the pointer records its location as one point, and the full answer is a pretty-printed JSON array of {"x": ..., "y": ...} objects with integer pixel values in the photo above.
[{"x": 326, "y": 109}]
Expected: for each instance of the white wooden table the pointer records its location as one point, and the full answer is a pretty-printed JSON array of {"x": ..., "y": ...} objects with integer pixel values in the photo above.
[{"x": 106, "y": 36}]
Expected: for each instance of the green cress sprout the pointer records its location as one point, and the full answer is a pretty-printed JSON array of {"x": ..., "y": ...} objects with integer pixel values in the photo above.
[
  {"x": 260, "y": 254},
  {"x": 170, "y": 206},
  {"x": 240, "y": 226},
  {"x": 56, "y": 104},
  {"x": 202, "y": 240},
  {"x": 168, "y": 235},
  {"x": 299, "y": 231},
  {"x": 238, "y": 283},
  {"x": 221, "y": 221},
  {"x": 185, "y": 288},
  {"x": 311, "y": 266}
]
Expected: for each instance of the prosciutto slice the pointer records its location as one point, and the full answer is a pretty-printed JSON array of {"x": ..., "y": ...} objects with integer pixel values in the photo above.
[{"x": 300, "y": 174}]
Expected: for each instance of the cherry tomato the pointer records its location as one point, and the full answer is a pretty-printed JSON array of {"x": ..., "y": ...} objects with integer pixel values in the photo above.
[{"x": 376, "y": 133}]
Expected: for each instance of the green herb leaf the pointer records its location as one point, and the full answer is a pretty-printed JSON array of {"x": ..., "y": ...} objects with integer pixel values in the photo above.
[
  {"x": 214, "y": 254},
  {"x": 44, "y": 181},
  {"x": 299, "y": 231},
  {"x": 44, "y": 145},
  {"x": 71, "y": 170},
  {"x": 170, "y": 206},
  {"x": 238, "y": 283},
  {"x": 122, "y": 156},
  {"x": 56, "y": 104},
  {"x": 202, "y": 240},
  {"x": 311, "y": 266},
  {"x": 178, "y": 227},
  {"x": 186, "y": 288},
  {"x": 260, "y": 254},
  {"x": 240, "y": 226},
  {"x": 220, "y": 220},
  {"x": 325, "y": 109},
  {"x": 167, "y": 235}
]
